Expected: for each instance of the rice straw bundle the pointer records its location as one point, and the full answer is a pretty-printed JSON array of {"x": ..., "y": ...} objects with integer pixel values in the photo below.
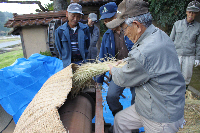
[
  {"x": 86, "y": 72},
  {"x": 41, "y": 115}
]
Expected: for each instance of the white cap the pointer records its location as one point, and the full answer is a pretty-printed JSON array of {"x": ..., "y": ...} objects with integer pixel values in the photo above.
[{"x": 93, "y": 16}]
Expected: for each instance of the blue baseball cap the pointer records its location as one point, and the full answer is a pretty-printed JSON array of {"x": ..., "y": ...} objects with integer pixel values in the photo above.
[
  {"x": 75, "y": 8},
  {"x": 108, "y": 10}
]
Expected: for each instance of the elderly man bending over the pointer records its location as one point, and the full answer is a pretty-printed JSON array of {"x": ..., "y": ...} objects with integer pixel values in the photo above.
[{"x": 153, "y": 69}]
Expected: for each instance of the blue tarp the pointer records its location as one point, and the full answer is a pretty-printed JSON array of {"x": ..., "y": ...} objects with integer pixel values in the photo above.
[
  {"x": 22, "y": 80},
  {"x": 126, "y": 102}
]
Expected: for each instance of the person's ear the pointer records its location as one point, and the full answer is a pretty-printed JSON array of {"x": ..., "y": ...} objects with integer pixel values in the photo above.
[
  {"x": 139, "y": 28},
  {"x": 138, "y": 25},
  {"x": 67, "y": 14}
]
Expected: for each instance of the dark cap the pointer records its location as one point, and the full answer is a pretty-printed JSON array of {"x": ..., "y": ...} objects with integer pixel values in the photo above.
[
  {"x": 108, "y": 10},
  {"x": 128, "y": 9},
  {"x": 74, "y": 8},
  {"x": 193, "y": 6}
]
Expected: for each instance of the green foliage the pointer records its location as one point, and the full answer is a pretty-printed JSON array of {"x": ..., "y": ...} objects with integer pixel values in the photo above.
[
  {"x": 47, "y": 53},
  {"x": 4, "y": 16},
  {"x": 167, "y": 12},
  {"x": 49, "y": 6},
  {"x": 195, "y": 81},
  {"x": 103, "y": 28}
]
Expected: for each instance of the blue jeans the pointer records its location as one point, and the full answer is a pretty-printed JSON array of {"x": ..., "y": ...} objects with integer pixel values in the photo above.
[{"x": 113, "y": 96}]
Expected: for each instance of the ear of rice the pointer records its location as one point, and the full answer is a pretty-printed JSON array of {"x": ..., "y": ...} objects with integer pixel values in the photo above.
[{"x": 86, "y": 72}]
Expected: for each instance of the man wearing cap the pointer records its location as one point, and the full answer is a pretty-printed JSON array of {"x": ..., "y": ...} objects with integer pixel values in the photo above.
[
  {"x": 114, "y": 44},
  {"x": 153, "y": 69},
  {"x": 72, "y": 39},
  {"x": 94, "y": 36},
  {"x": 186, "y": 37}
]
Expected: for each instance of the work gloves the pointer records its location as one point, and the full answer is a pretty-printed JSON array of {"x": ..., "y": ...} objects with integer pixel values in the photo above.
[{"x": 196, "y": 63}]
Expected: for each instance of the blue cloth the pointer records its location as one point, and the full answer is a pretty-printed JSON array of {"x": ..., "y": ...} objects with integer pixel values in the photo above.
[
  {"x": 108, "y": 48},
  {"x": 113, "y": 93},
  {"x": 23, "y": 79},
  {"x": 107, "y": 45},
  {"x": 125, "y": 102},
  {"x": 108, "y": 10},
  {"x": 129, "y": 43},
  {"x": 63, "y": 42}
]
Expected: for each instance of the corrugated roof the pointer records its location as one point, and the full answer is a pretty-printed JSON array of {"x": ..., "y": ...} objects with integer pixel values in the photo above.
[
  {"x": 42, "y": 18},
  {"x": 94, "y": 2}
]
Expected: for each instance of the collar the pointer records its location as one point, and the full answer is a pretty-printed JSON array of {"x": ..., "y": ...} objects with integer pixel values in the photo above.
[
  {"x": 80, "y": 25},
  {"x": 115, "y": 32},
  {"x": 150, "y": 30},
  {"x": 70, "y": 27},
  {"x": 187, "y": 23}
]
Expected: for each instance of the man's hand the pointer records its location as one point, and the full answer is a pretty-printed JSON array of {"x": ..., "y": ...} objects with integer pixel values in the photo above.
[
  {"x": 196, "y": 63},
  {"x": 110, "y": 66},
  {"x": 119, "y": 62}
]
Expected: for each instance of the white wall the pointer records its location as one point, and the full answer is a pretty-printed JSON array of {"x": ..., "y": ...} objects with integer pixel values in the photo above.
[{"x": 35, "y": 38}]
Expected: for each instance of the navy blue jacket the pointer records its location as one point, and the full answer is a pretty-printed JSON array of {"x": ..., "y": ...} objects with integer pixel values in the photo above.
[
  {"x": 108, "y": 48},
  {"x": 63, "y": 42}
]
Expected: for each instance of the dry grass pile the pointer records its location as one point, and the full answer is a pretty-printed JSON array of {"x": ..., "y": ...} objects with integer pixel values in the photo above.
[
  {"x": 191, "y": 114},
  {"x": 41, "y": 115},
  {"x": 84, "y": 73}
]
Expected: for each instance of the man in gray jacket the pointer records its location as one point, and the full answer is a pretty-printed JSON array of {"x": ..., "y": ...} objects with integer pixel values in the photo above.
[
  {"x": 186, "y": 37},
  {"x": 94, "y": 36},
  {"x": 153, "y": 69}
]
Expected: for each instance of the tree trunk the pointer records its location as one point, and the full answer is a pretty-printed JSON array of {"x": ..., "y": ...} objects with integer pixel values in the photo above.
[{"x": 60, "y": 5}]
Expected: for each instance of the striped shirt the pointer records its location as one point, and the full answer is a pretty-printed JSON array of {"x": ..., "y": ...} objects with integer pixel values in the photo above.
[{"x": 74, "y": 43}]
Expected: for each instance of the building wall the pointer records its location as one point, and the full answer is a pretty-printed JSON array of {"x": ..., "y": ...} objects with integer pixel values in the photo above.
[{"x": 35, "y": 39}]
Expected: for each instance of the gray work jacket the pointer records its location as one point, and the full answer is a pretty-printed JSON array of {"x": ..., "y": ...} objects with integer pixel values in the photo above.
[
  {"x": 93, "y": 42},
  {"x": 186, "y": 38},
  {"x": 154, "y": 70}
]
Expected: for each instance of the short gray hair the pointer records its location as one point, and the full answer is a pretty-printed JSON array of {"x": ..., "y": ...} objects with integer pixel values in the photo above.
[{"x": 145, "y": 19}]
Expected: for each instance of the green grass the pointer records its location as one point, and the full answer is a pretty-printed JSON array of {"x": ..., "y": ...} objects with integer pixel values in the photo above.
[
  {"x": 195, "y": 81},
  {"x": 8, "y": 58},
  {"x": 8, "y": 40}
]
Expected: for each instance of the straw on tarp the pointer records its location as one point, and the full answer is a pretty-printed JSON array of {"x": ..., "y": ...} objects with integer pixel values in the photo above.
[{"x": 41, "y": 115}]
